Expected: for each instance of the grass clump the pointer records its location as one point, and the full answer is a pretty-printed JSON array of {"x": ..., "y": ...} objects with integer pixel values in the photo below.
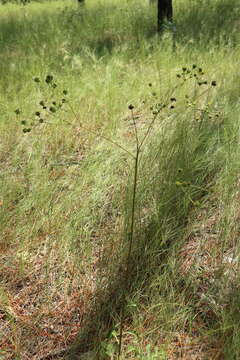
[{"x": 88, "y": 93}]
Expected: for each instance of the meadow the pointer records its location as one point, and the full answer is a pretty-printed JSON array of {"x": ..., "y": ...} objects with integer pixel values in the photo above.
[{"x": 119, "y": 181}]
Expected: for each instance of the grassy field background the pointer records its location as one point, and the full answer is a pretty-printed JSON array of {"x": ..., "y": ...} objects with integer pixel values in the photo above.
[{"x": 66, "y": 180}]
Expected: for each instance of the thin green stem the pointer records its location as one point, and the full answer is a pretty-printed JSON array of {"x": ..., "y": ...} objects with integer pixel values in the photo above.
[
  {"x": 130, "y": 238},
  {"x": 130, "y": 234},
  {"x": 136, "y": 131},
  {"x": 148, "y": 130}
]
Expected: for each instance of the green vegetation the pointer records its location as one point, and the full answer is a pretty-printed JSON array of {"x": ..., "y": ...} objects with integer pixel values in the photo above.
[{"x": 79, "y": 86}]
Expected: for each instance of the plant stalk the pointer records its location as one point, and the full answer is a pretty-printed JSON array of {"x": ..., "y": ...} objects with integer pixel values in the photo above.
[{"x": 130, "y": 238}]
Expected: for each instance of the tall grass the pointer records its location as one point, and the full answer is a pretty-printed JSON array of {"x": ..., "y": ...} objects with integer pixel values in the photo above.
[{"x": 65, "y": 191}]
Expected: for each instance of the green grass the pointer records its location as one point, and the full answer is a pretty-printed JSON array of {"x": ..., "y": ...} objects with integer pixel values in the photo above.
[{"x": 66, "y": 190}]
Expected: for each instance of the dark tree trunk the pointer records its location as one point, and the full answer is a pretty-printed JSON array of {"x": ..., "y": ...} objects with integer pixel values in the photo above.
[{"x": 165, "y": 12}]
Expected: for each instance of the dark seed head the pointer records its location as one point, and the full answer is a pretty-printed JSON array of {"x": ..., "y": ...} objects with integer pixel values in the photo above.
[
  {"x": 131, "y": 107},
  {"x": 65, "y": 92},
  {"x": 37, "y": 113},
  {"x": 173, "y": 99},
  {"x": 41, "y": 120},
  {"x": 41, "y": 103},
  {"x": 36, "y": 79},
  {"x": 49, "y": 79},
  {"x": 194, "y": 66},
  {"x": 17, "y": 111},
  {"x": 214, "y": 83},
  {"x": 52, "y": 109},
  {"x": 54, "y": 103},
  {"x": 26, "y": 130},
  {"x": 23, "y": 122}
]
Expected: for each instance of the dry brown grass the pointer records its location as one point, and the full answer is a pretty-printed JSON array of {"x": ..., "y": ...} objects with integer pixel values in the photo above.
[{"x": 43, "y": 306}]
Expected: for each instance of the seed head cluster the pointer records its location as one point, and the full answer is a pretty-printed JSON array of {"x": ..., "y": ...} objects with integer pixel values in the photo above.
[{"x": 48, "y": 106}]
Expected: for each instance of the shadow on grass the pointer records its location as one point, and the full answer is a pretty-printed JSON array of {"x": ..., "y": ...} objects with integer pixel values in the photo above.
[
  {"x": 106, "y": 313},
  {"x": 106, "y": 27},
  {"x": 149, "y": 259},
  {"x": 202, "y": 24},
  {"x": 209, "y": 24}
]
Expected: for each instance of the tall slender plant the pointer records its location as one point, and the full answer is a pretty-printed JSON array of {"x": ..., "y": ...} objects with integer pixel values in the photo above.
[{"x": 49, "y": 108}]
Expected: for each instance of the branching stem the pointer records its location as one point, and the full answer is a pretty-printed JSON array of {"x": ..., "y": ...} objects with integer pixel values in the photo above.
[{"x": 100, "y": 135}]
